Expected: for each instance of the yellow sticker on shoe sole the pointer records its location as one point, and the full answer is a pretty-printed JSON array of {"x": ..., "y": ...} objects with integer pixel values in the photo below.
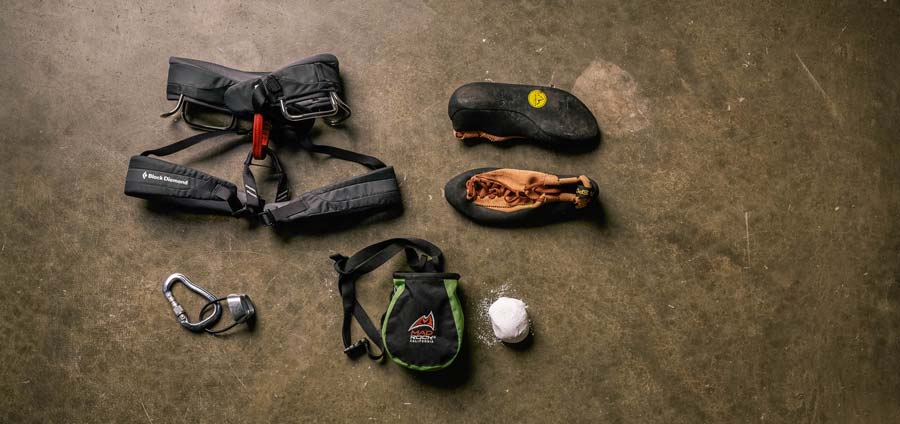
[{"x": 537, "y": 99}]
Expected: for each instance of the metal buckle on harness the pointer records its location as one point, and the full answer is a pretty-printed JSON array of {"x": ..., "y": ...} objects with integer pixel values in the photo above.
[
  {"x": 177, "y": 106},
  {"x": 338, "y": 111}
]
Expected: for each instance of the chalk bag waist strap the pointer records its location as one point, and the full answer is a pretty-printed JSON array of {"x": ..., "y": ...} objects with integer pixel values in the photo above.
[{"x": 423, "y": 326}]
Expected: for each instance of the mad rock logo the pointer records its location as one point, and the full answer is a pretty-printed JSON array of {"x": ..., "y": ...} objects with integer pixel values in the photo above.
[{"x": 422, "y": 330}]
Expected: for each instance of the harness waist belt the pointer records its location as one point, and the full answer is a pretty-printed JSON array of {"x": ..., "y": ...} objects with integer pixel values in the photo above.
[
  {"x": 365, "y": 194},
  {"x": 306, "y": 89},
  {"x": 151, "y": 178}
]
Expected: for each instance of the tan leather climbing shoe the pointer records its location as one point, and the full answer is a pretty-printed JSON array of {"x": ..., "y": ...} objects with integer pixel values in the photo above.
[{"x": 516, "y": 197}]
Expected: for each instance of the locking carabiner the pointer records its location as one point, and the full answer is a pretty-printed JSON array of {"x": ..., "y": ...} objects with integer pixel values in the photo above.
[{"x": 204, "y": 323}]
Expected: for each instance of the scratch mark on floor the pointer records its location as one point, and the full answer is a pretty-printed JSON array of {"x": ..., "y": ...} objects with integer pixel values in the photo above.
[
  {"x": 240, "y": 381},
  {"x": 747, "y": 228},
  {"x": 831, "y": 106},
  {"x": 145, "y": 412},
  {"x": 246, "y": 252}
]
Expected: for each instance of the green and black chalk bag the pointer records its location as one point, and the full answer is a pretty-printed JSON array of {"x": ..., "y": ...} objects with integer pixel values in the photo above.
[{"x": 423, "y": 325}]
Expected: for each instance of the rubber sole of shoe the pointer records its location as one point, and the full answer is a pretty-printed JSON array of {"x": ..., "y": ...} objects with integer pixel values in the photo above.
[{"x": 544, "y": 115}]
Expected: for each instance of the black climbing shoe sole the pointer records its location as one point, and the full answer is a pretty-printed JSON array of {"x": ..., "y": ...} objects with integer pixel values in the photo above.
[{"x": 546, "y": 116}]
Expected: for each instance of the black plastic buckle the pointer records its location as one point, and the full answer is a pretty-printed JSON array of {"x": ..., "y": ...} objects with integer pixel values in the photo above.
[
  {"x": 339, "y": 262},
  {"x": 267, "y": 219},
  {"x": 358, "y": 348},
  {"x": 273, "y": 87}
]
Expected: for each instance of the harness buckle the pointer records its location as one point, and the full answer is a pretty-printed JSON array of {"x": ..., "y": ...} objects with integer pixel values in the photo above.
[
  {"x": 267, "y": 219},
  {"x": 177, "y": 106},
  {"x": 272, "y": 86}
]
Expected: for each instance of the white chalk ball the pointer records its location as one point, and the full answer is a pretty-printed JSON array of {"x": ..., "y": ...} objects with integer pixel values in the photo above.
[{"x": 509, "y": 319}]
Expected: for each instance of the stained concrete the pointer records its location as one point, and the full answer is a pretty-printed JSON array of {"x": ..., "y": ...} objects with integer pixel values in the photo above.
[{"x": 746, "y": 269}]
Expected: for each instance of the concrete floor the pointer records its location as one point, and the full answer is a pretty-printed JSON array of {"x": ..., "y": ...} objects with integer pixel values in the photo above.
[{"x": 747, "y": 270}]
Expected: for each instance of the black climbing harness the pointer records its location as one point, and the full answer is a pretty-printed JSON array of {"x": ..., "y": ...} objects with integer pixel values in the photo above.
[
  {"x": 283, "y": 104},
  {"x": 239, "y": 305}
]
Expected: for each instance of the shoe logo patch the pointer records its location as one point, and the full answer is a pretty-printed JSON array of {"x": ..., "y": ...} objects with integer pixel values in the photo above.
[
  {"x": 422, "y": 329},
  {"x": 537, "y": 99}
]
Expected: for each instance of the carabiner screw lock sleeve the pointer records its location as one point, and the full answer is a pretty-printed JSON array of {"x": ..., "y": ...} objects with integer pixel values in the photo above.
[{"x": 182, "y": 317}]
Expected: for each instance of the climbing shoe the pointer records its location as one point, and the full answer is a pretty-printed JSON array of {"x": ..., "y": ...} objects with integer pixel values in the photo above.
[
  {"x": 517, "y": 198},
  {"x": 503, "y": 113}
]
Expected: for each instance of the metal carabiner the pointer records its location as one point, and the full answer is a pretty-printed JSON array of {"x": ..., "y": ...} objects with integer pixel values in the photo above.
[{"x": 204, "y": 323}]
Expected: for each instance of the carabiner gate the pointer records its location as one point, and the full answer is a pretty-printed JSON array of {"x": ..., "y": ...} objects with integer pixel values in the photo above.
[{"x": 182, "y": 317}]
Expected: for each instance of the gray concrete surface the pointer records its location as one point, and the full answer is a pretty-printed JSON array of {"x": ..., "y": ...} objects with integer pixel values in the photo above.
[{"x": 747, "y": 270}]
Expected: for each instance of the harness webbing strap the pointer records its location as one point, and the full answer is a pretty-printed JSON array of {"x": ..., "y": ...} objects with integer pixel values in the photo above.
[
  {"x": 348, "y": 155},
  {"x": 229, "y": 196},
  {"x": 363, "y": 262},
  {"x": 254, "y": 203},
  {"x": 183, "y": 144}
]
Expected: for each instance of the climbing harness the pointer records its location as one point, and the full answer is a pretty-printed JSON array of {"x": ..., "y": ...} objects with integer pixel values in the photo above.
[
  {"x": 239, "y": 305},
  {"x": 279, "y": 105}
]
